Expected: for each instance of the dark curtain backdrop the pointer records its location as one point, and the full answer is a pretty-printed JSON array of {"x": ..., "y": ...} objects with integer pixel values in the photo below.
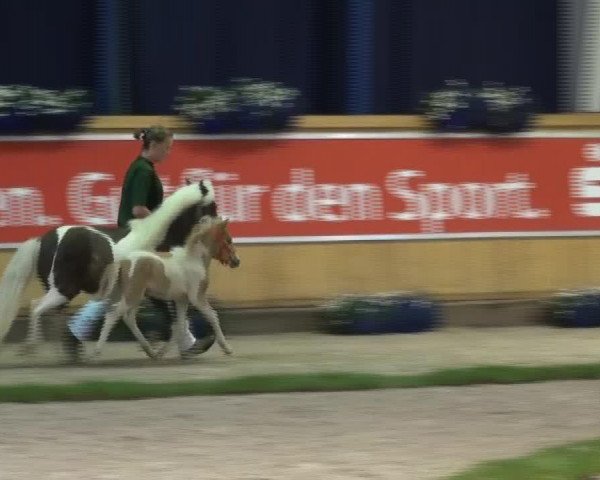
[
  {"x": 346, "y": 56},
  {"x": 49, "y": 44}
]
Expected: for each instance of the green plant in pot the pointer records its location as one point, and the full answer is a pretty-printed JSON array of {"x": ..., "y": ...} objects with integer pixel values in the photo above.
[{"x": 210, "y": 109}]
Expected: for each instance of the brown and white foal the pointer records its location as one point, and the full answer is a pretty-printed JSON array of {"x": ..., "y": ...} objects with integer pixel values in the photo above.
[{"x": 180, "y": 275}]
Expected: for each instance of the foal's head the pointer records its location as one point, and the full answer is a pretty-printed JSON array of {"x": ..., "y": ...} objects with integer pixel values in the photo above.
[{"x": 214, "y": 234}]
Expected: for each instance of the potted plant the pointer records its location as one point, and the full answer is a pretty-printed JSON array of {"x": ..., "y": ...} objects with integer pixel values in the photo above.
[
  {"x": 246, "y": 105},
  {"x": 14, "y": 114},
  {"x": 210, "y": 109},
  {"x": 493, "y": 108},
  {"x": 25, "y": 109},
  {"x": 264, "y": 105},
  {"x": 58, "y": 111}
]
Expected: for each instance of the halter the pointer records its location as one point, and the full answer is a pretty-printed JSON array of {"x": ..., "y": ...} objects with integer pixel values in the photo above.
[{"x": 223, "y": 252}]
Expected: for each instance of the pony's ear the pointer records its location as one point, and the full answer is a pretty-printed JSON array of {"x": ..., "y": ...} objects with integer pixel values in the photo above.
[
  {"x": 187, "y": 181},
  {"x": 224, "y": 222},
  {"x": 203, "y": 188}
]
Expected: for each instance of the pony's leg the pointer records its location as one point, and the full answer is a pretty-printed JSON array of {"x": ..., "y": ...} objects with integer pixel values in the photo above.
[
  {"x": 52, "y": 299},
  {"x": 211, "y": 317},
  {"x": 130, "y": 320},
  {"x": 110, "y": 319}
]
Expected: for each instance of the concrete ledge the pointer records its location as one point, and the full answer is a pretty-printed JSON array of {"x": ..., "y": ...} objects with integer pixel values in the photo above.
[
  {"x": 476, "y": 314},
  {"x": 129, "y": 123},
  {"x": 494, "y": 313}
]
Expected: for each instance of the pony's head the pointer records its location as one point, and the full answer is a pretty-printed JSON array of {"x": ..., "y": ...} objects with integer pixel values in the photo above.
[{"x": 213, "y": 232}]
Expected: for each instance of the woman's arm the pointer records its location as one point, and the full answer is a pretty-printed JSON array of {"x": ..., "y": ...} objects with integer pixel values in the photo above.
[
  {"x": 139, "y": 211},
  {"x": 139, "y": 197}
]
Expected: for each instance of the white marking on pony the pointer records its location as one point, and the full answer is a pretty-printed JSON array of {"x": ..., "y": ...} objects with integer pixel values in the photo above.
[
  {"x": 16, "y": 276},
  {"x": 60, "y": 234},
  {"x": 107, "y": 283},
  {"x": 61, "y": 231},
  {"x": 52, "y": 299},
  {"x": 147, "y": 233},
  {"x": 102, "y": 234}
]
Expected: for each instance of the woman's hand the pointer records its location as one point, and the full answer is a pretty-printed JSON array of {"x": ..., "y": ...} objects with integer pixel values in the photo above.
[{"x": 140, "y": 211}]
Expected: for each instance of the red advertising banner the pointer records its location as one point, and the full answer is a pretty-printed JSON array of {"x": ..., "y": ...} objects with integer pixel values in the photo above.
[{"x": 321, "y": 189}]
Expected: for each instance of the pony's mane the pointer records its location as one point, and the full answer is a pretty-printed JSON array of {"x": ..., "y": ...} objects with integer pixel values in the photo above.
[
  {"x": 188, "y": 196},
  {"x": 147, "y": 233}
]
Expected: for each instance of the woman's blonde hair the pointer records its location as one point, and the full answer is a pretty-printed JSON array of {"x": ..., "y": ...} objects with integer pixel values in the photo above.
[{"x": 155, "y": 133}]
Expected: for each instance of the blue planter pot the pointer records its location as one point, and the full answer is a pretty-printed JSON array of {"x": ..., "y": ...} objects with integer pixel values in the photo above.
[
  {"x": 481, "y": 114},
  {"x": 281, "y": 119},
  {"x": 14, "y": 124},
  {"x": 57, "y": 122},
  {"x": 244, "y": 121},
  {"x": 27, "y": 124},
  {"x": 250, "y": 121},
  {"x": 383, "y": 315},
  {"x": 577, "y": 311},
  {"x": 213, "y": 126}
]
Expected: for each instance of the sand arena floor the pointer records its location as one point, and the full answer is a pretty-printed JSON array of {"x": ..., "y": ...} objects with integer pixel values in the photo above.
[{"x": 395, "y": 434}]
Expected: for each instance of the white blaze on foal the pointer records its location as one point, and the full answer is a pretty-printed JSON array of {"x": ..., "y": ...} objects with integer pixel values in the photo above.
[{"x": 180, "y": 275}]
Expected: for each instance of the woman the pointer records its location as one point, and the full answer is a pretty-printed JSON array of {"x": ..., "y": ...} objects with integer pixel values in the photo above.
[
  {"x": 142, "y": 189},
  {"x": 142, "y": 192}
]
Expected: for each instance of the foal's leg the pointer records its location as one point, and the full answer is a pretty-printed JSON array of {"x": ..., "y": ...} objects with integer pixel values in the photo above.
[
  {"x": 211, "y": 316},
  {"x": 130, "y": 320},
  {"x": 178, "y": 327},
  {"x": 52, "y": 299},
  {"x": 113, "y": 314}
]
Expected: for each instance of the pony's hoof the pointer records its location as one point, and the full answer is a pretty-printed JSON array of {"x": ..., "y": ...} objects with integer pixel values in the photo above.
[
  {"x": 73, "y": 348},
  {"x": 200, "y": 346}
]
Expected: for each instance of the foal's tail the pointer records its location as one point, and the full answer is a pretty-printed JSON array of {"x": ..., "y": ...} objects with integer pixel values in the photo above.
[
  {"x": 17, "y": 275},
  {"x": 108, "y": 281}
]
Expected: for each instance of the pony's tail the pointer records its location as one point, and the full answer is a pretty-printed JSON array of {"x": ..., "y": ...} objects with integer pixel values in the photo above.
[
  {"x": 108, "y": 281},
  {"x": 17, "y": 275}
]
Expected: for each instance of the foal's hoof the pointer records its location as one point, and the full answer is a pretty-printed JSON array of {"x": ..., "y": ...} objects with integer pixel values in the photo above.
[
  {"x": 91, "y": 359},
  {"x": 228, "y": 350},
  {"x": 27, "y": 349},
  {"x": 154, "y": 355},
  {"x": 158, "y": 354}
]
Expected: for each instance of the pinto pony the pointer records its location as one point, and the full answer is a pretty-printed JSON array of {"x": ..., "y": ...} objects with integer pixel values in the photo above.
[
  {"x": 180, "y": 275},
  {"x": 72, "y": 259}
]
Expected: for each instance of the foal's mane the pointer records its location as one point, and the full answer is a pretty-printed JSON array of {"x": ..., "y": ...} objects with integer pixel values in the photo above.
[{"x": 200, "y": 230}]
